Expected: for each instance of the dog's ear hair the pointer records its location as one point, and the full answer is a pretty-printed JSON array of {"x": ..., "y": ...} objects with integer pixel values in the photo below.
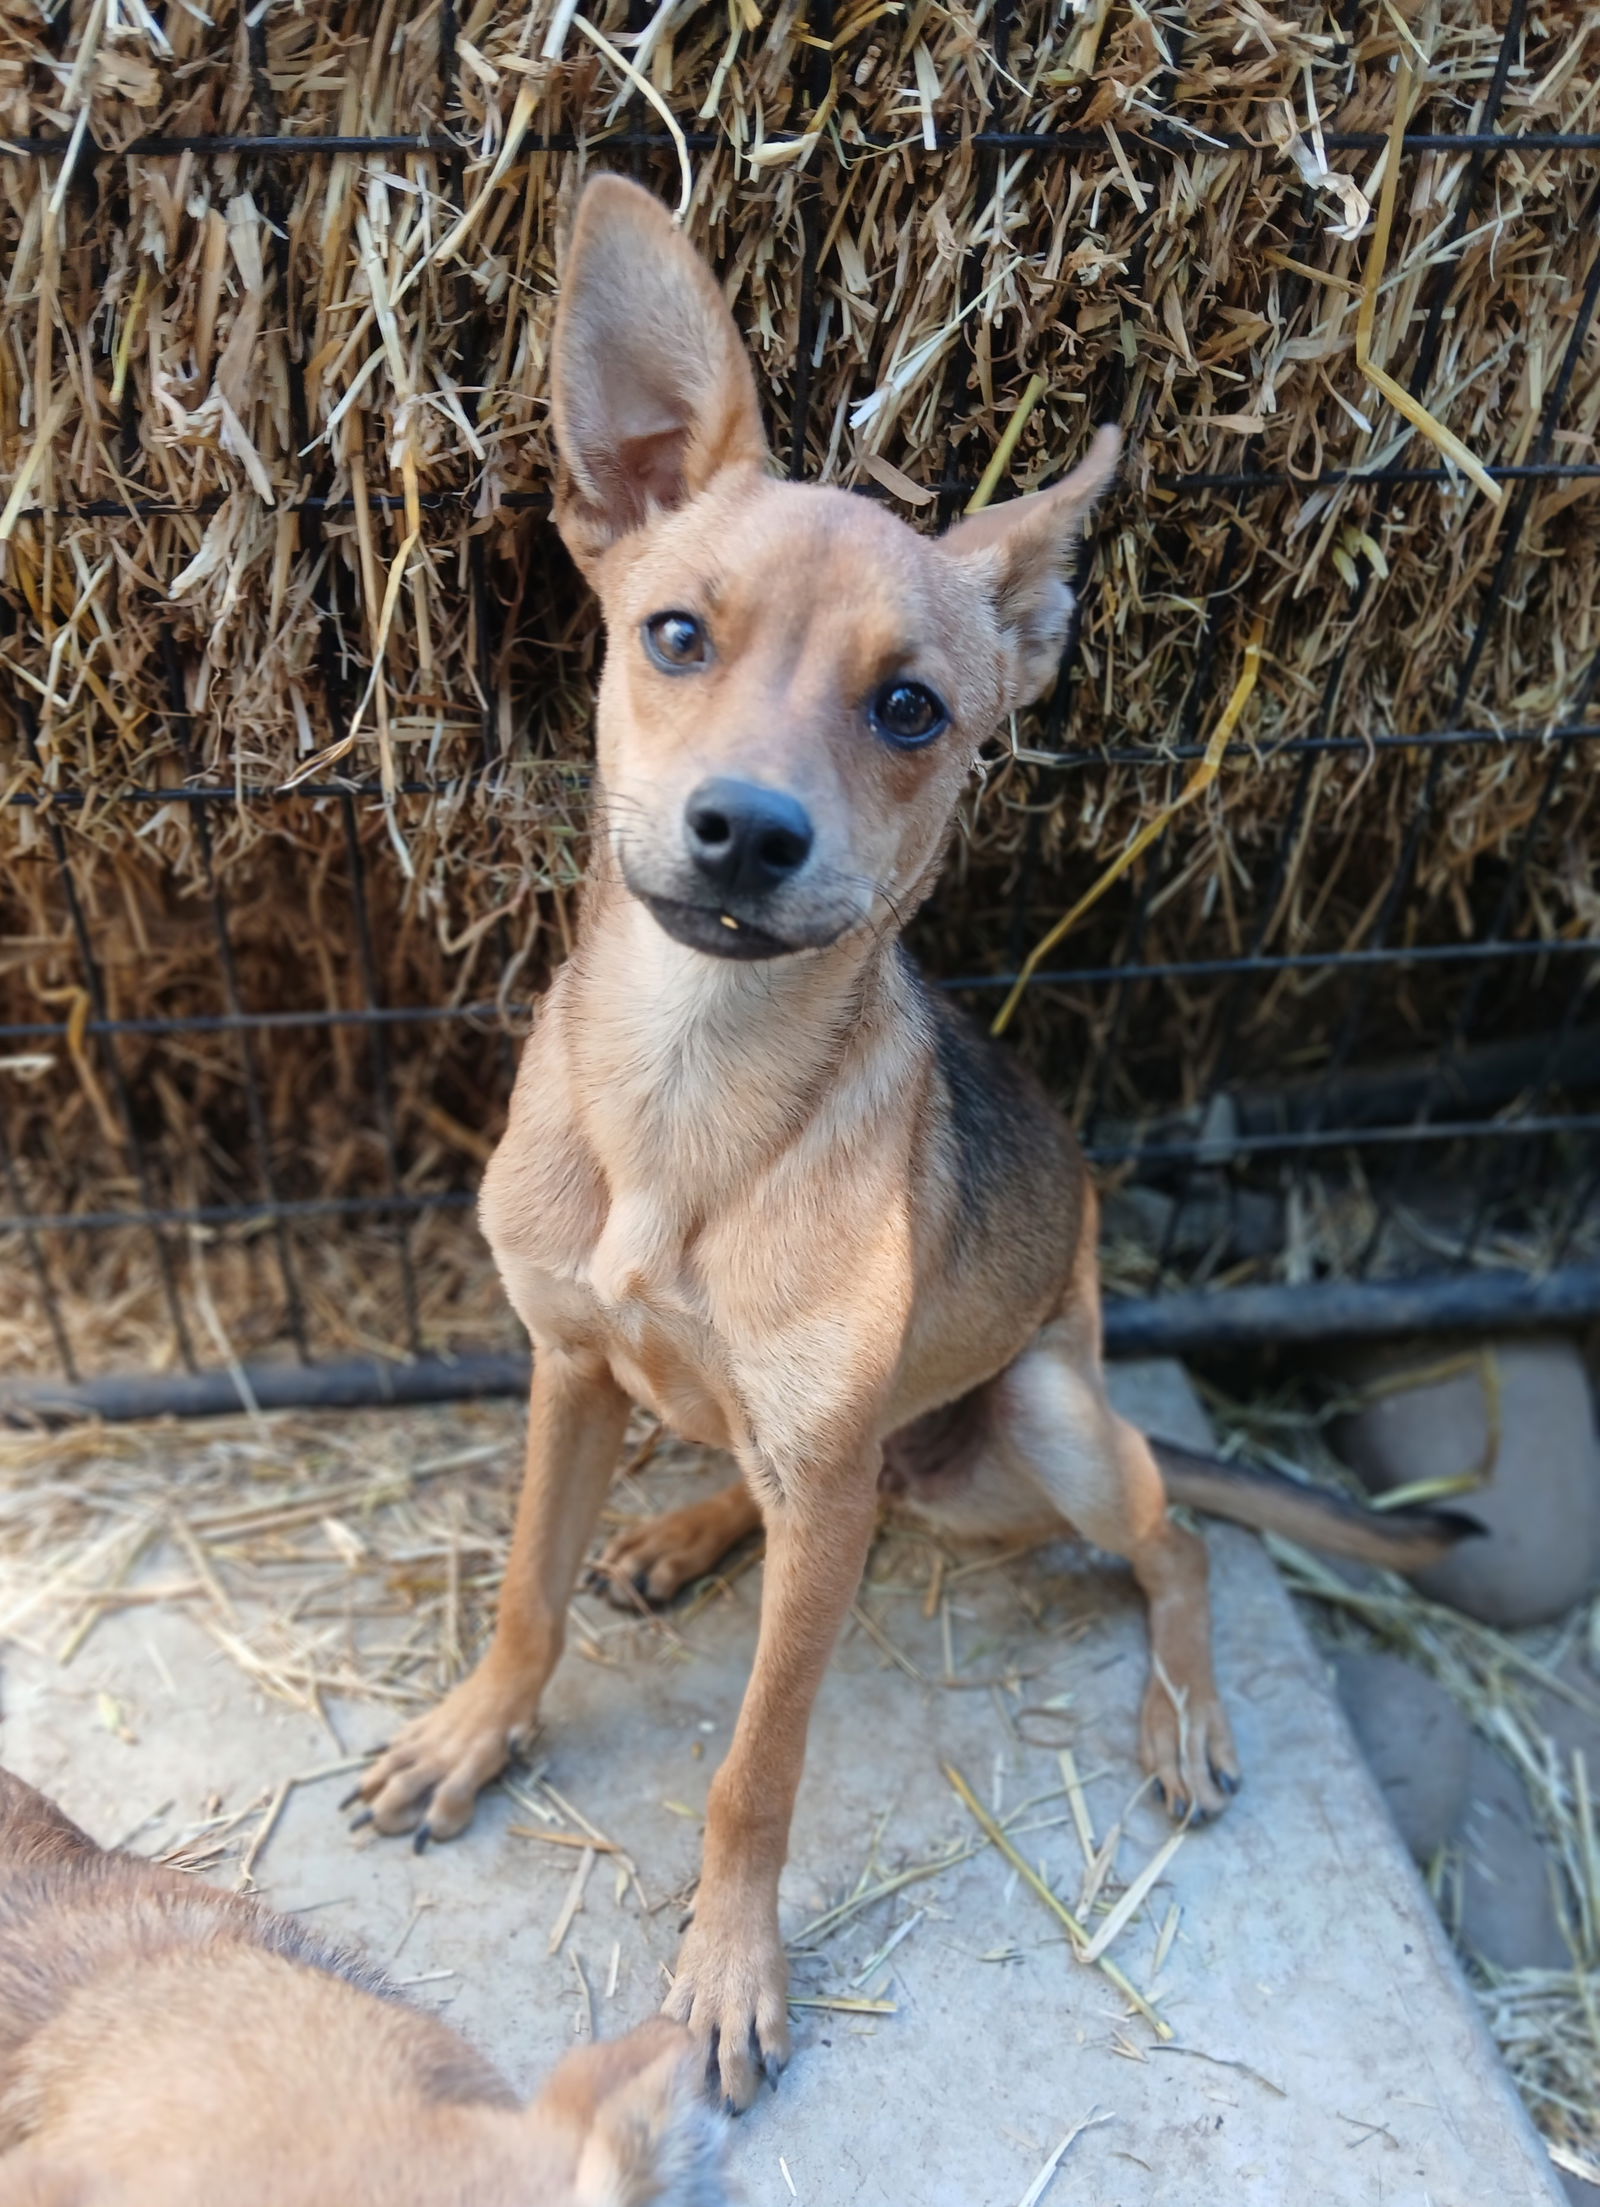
[
  {"x": 1024, "y": 551},
  {"x": 652, "y": 394},
  {"x": 633, "y": 2116}
]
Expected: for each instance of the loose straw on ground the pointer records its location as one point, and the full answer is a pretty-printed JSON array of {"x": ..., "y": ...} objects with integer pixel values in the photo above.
[
  {"x": 1134, "y": 1898},
  {"x": 1037, "y": 2189},
  {"x": 1079, "y": 1935},
  {"x": 573, "y": 1902},
  {"x": 1200, "y": 780}
]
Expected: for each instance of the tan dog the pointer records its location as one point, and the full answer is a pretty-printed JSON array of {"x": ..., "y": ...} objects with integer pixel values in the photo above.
[
  {"x": 757, "y": 1176},
  {"x": 163, "y": 2044}
]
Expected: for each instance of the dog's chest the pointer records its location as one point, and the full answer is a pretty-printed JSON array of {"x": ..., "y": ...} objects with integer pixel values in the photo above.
[
  {"x": 707, "y": 1261},
  {"x": 638, "y": 1303},
  {"x": 662, "y": 1365}
]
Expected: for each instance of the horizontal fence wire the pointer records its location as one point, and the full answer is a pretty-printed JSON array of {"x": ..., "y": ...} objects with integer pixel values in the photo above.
[
  {"x": 955, "y": 490},
  {"x": 1193, "y": 1154},
  {"x": 488, "y": 1010},
  {"x": 1161, "y": 137},
  {"x": 1089, "y": 756},
  {"x": 1201, "y": 1149}
]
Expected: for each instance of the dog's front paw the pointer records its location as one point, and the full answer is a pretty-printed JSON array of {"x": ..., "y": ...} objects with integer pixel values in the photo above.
[
  {"x": 731, "y": 1988},
  {"x": 429, "y": 1780}
]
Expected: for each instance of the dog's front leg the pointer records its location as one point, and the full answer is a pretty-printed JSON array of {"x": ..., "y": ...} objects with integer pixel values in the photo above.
[
  {"x": 435, "y": 1770},
  {"x": 732, "y": 1979}
]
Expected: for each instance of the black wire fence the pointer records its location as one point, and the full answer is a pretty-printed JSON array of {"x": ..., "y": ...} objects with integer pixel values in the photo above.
[{"x": 1467, "y": 1161}]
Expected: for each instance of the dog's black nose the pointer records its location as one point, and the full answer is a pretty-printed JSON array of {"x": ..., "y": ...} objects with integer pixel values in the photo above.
[{"x": 746, "y": 840}]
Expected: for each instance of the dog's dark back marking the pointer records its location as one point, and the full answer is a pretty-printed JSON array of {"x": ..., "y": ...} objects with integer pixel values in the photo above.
[
  {"x": 1008, "y": 1150},
  {"x": 981, "y": 1127}
]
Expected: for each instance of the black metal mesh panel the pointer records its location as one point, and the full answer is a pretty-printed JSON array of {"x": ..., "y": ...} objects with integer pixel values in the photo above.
[{"x": 1232, "y": 1087}]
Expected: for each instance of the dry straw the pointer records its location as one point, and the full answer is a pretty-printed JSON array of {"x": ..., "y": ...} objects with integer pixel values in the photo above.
[{"x": 274, "y": 442}]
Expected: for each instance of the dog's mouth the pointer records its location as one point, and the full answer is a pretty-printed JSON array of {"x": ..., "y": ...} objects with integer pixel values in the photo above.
[{"x": 715, "y": 933}]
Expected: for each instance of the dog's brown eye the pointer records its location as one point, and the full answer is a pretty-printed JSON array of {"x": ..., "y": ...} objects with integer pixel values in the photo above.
[
  {"x": 677, "y": 642},
  {"x": 907, "y": 714}
]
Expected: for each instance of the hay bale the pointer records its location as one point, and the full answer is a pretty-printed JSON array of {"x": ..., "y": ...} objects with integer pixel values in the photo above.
[{"x": 275, "y": 431}]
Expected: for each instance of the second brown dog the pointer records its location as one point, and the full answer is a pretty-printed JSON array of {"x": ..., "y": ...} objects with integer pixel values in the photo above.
[{"x": 164, "y": 2044}]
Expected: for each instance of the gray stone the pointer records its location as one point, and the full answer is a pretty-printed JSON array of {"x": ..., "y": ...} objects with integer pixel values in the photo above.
[
  {"x": 1212, "y": 1217},
  {"x": 1541, "y": 1503},
  {"x": 1574, "y": 1725},
  {"x": 1416, "y": 1741},
  {"x": 1219, "y": 1131},
  {"x": 1508, "y": 1907}
]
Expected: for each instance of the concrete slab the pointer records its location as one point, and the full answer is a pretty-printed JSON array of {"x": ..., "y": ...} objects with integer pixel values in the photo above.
[{"x": 1325, "y": 2046}]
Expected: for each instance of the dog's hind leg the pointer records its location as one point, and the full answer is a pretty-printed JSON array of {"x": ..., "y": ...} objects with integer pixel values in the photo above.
[
  {"x": 1055, "y": 1426},
  {"x": 653, "y": 1558}
]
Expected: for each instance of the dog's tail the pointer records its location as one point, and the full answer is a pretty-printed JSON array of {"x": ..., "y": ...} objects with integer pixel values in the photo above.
[{"x": 1398, "y": 1540}]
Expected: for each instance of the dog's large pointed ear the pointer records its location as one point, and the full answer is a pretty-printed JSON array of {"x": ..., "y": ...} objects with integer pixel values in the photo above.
[
  {"x": 651, "y": 391},
  {"x": 1024, "y": 551},
  {"x": 629, "y": 2123}
]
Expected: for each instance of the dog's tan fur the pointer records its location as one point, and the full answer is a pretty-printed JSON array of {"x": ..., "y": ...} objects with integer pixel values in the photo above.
[
  {"x": 164, "y": 2044},
  {"x": 794, "y": 1205}
]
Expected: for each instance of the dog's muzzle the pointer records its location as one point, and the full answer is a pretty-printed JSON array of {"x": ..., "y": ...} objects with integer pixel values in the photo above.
[
  {"x": 744, "y": 844},
  {"x": 718, "y": 934}
]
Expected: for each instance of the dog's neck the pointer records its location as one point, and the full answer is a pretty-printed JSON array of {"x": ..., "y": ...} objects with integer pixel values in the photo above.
[
  {"x": 692, "y": 1074},
  {"x": 669, "y": 1026}
]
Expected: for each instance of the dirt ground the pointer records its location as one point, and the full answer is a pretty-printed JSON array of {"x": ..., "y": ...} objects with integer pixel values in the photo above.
[{"x": 207, "y": 1626}]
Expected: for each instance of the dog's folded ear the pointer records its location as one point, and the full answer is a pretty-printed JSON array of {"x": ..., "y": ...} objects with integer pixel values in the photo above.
[
  {"x": 633, "y": 2116},
  {"x": 651, "y": 390},
  {"x": 1025, "y": 549}
]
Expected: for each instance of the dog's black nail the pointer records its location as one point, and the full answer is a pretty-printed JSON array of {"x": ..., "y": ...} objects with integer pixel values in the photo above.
[
  {"x": 350, "y": 1799},
  {"x": 1177, "y": 1806},
  {"x": 772, "y": 2070},
  {"x": 1228, "y": 1782},
  {"x": 360, "y": 1823},
  {"x": 728, "y": 2107},
  {"x": 420, "y": 1838}
]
